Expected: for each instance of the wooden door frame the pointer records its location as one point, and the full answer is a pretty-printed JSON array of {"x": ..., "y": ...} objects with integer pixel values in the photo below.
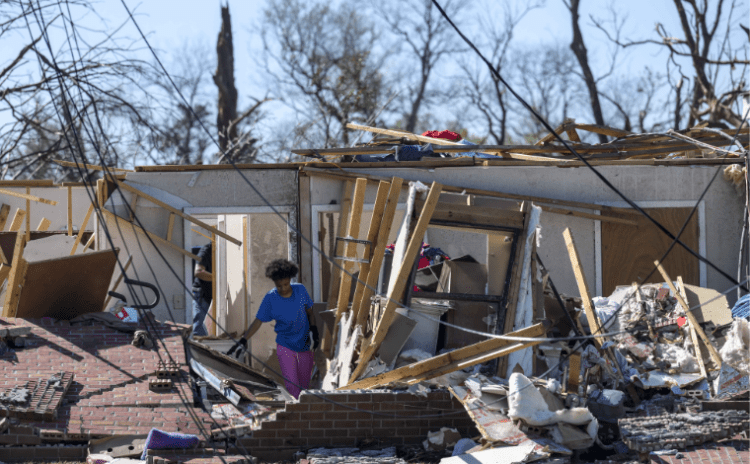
[{"x": 702, "y": 267}]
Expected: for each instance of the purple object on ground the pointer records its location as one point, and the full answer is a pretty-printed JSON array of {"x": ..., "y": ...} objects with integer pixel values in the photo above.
[{"x": 158, "y": 439}]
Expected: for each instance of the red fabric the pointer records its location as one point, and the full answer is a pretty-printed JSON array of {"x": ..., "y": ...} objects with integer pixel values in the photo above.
[{"x": 445, "y": 134}]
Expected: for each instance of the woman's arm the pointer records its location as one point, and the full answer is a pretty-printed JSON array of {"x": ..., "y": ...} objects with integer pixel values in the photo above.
[{"x": 252, "y": 329}]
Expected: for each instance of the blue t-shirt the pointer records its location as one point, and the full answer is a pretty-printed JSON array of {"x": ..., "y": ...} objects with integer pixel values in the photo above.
[{"x": 292, "y": 326}]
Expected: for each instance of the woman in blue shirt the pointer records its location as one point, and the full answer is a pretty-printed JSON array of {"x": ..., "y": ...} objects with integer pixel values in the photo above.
[{"x": 291, "y": 307}]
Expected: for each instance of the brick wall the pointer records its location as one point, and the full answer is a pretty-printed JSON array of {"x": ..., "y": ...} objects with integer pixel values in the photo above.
[{"x": 384, "y": 417}]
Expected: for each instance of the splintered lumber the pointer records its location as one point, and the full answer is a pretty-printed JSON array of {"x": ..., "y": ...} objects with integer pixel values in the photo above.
[
  {"x": 28, "y": 197},
  {"x": 559, "y": 130},
  {"x": 90, "y": 242},
  {"x": 118, "y": 281},
  {"x": 581, "y": 214},
  {"x": 691, "y": 317},
  {"x": 170, "y": 227},
  {"x": 583, "y": 286},
  {"x": 28, "y": 215},
  {"x": 93, "y": 167},
  {"x": 4, "y": 271},
  {"x": 16, "y": 277},
  {"x": 350, "y": 250},
  {"x": 153, "y": 236},
  {"x": 604, "y": 130},
  {"x": 17, "y": 222},
  {"x": 204, "y": 235},
  {"x": 693, "y": 332},
  {"x": 4, "y": 212},
  {"x": 176, "y": 211},
  {"x": 361, "y": 304},
  {"x": 43, "y": 225},
  {"x": 454, "y": 360},
  {"x": 404, "y": 270},
  {"x": 82, "y": 229},
  {"x": 381, "y": 200}
]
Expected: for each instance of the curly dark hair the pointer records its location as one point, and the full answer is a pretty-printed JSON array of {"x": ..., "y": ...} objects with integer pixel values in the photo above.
[{"x": 281, "y": 269}]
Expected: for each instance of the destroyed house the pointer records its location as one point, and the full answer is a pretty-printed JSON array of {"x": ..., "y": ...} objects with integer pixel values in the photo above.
[{"x": 461, "y": 241}]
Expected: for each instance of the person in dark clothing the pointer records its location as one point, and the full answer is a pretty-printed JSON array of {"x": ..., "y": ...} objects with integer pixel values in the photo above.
[{"x": 202, "y": 289}]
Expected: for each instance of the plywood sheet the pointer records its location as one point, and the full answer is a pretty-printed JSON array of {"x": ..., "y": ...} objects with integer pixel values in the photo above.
[
  {"x": 717, "y": 311},
  {"x": 628, "y": 252},
  {"x": 8, "y": 240},
  {"x": 67, "y": 287}
]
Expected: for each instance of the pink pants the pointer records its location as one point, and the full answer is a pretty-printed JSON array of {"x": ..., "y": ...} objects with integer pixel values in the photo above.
[{"x": 296, "y": 369}]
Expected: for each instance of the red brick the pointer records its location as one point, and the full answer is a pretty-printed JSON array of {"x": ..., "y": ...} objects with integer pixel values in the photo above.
[
  {"x": 321, "y": 407},
  {"x": 343, "y": 424},
  {"x": 296, "y": 425},
  {"x": 288, "y": 416},
  {"x": 44, "y": 452},
  {"x": 297, "y": 407},
  {"x": 264, "y": 434},
  {"x": 360, "y": 416},
  {"x": 321, "y": 424},
  {"x": 368, "y": 406},
  {"x": 271, "y": 442},
  {"x": 358, "y": 398},
  {"x": 273, "y": 425}
]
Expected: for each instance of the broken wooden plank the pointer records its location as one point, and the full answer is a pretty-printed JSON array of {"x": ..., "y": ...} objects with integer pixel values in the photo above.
[
  {"x": 381, "y": 200},
  {"x": 118, "y": 281},
  {"x": 581, "y": 214},
  {"x": 28, "y": 215},
  {"x": 90, "y": 242},
  {"x": 381, "y": 241},
  {"x": 451, "y": 358},
  {"x": 691, "y": 317},
  {"x": 693, "y": 333},
  {"x": 16, "y": 277},
  {"x": 170, "y": 226},
  {"x": 83, "y": 228},
  {"x": 350, "y": 250},
  {"x": 202, "y": 234},
  {"x": 28, "y": 197},
  {"x": 176, "y": 211},
  {"x": 558, "y": 130},
  {"x": 153, "y": 236},
  {"x": 93, "y": 167},
  {"x": 604, "y": 130},
  {"x": 4, "y": 212},
  {"x": 583, "y": 287},
  {"x": 4, "y": 272},
  {"x": 43, "y": 225},
  {"x": 17, "y": 222},
  {"x": 401, "y": 277}
]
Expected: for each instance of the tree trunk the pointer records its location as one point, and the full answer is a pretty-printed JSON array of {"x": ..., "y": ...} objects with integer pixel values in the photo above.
[
  {"x": 224, "y": 80},
  {"x": 579, "y": 49}
]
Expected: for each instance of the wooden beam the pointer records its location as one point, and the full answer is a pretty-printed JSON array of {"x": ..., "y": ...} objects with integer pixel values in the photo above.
[
  {"x": 93, "y": 167},
  {"x": 16, "y": 277},
  {"x": 381, "y": 200},
  {"x": 83, "y": 228},
  {"x": 28, "y": 197},
  {"x": 245, "y": 272},
  {"x": 350, "y": 251},
  {"x": 378, "y": 254},
  {"x": 28, "y": 215},
  {"x": 581, "y": 214},
  {"x": 89, "y": 243},
  {"x": 201, "y": 233},
  {"x": 70, "y": 211},
  {"x": 404, "y": 270},
  {"x": 17, "y": 222},
  {"x": 346, "y": 206},
  {"x": 4, "y": 272},
  {"x": 176, "y": 211},
  {"x": 693, "y": 321},
  {"x": 43, "y": 225},
  {"x": 31, "y": 182},
  {"x": 214, "y": 290},
  {"x": 118, "y": 281},
  {"x": 440, "y": 362},
  {"x": 693, "y": 333},
  {"x": 604, "y": 130},
  {"x": 583, "y": 286},
  {"x": 155, "y": 237},
  {"x": 170, "y": 227},
  {"x": 4, "y": 212},
  {"x": 559, "y": 130}
]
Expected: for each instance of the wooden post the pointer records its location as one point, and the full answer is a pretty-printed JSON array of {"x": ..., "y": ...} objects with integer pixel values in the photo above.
[
  {"x": 43, "y": 225},
  {"x": 17, "y": 222},
  {"x": 361, "y": 305},
  {"x": 350, "y": 250},
  {"x": 246, "y": 273},
  {"x": 693, "y": 333},
  {"x": 82, "y": 229},
  {"x": 16, "y": 277},
  {"x": 70, "y": 211},
  {"x": 405, "y": 267},
  {"x": 170, "y": 227},
  {"x": 693, "y": 321},
  {"x": 118, "y": 281},
  {"x": 89, "y": 242},
  {"x": 28, "y": 215},
  {"x": 4, "y": 212},
  {"x": 583, "y": 286}
]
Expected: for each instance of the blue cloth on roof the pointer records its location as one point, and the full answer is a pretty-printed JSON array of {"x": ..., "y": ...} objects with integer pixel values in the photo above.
[
  {"x": 292, "y": 326},
  {"x": 742, "y": 307},
  {"x": 403, "y": 153},
  {"x": 470, "y": 154},
  {"x": 159, "y": 439}
]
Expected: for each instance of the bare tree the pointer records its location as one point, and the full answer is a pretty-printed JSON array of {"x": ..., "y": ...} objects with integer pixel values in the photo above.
[{"x": 322, "y": 61}]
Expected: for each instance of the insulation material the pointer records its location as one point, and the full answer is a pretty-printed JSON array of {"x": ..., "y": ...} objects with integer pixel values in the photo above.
[
  {"x": 525, "y": 306},
  {"x": 678, "y": 357},
  {"x": 526, "y": 402},
  {"x": 736, "y": 350},
  {"x": 340, "y": 370},
  {"x": 441, "y": 439}
]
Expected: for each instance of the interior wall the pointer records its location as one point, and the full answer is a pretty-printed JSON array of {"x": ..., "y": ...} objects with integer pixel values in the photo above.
[
  {"x": 723, "y": 206},
  {"x": 57, "y": 214}
]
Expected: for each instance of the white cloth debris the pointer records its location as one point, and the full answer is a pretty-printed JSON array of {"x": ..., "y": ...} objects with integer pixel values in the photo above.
[
  {"x": 736, "y": 350},
  {"x": 678, "y": 357}
]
